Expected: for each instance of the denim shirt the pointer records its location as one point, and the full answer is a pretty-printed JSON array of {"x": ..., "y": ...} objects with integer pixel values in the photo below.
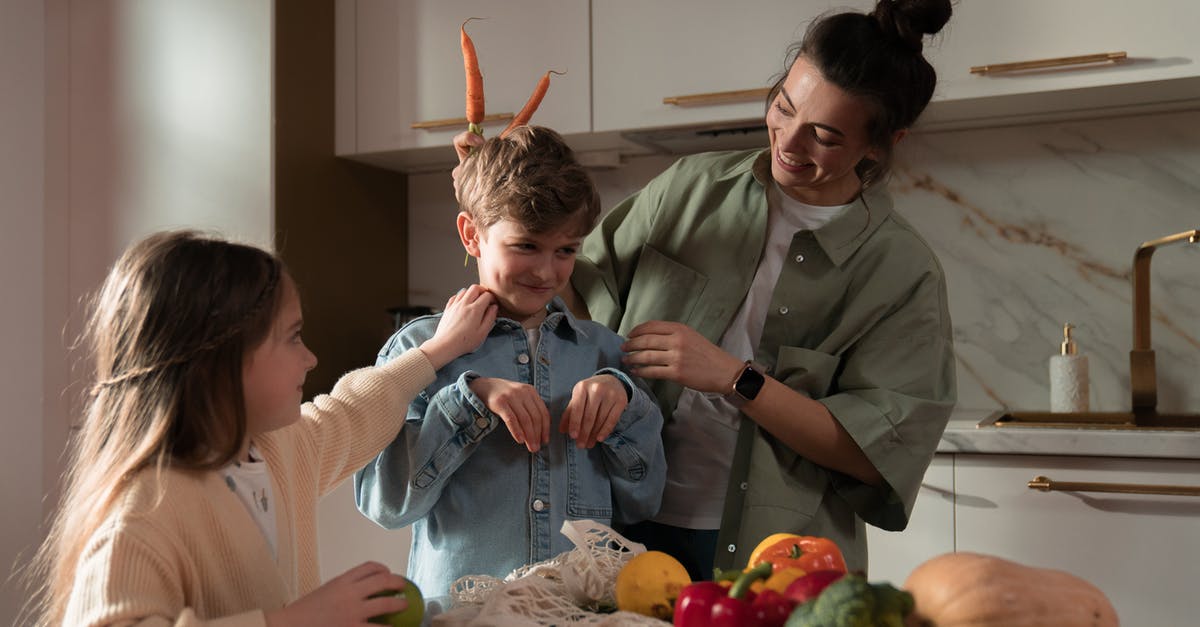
[{"x": 480, "y": 503}]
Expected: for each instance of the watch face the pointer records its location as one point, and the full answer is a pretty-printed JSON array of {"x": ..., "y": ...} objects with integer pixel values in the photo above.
[{"x": 749, "y": 383}]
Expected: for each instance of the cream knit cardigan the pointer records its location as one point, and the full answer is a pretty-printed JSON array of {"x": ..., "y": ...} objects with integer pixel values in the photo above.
[{"x": 196, "y": 557}]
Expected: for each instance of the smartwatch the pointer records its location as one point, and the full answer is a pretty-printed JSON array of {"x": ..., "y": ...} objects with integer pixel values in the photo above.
[{"x": 747, "y": 384}]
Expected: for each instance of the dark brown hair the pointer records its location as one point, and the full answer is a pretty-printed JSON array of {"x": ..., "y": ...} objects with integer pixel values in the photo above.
[
  {"x": 531, "y": 177},
  {"x": 877, "y": 57}
]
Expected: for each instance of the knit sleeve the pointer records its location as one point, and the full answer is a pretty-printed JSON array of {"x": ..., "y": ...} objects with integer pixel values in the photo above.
[{"x": 363, "y": 414}]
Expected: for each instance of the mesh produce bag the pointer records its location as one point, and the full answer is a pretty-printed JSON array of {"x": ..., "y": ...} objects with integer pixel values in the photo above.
[{"x": 573, "y": 588}]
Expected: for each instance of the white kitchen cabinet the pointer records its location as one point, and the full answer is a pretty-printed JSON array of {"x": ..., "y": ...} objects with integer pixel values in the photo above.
[
  {"x": 644, "y": 52},
  {"x": 1161, "y": 71},
  {"x": 930, "y": 532},
  {"x": 399, "y": 62},
  {"x": 1143, "y": 551}
]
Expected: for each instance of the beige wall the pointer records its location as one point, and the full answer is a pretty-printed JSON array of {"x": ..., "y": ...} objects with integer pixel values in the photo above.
[{"x": 118, "y": 118}]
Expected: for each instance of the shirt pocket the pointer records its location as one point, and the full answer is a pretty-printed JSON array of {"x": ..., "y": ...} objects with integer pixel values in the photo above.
[
  {"x": 805, "y": 370},
  {"x": 661, "y": 289},
  {"x": 589, "y": 495}
]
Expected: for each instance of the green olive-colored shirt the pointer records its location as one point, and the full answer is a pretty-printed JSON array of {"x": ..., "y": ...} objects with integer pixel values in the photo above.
[{"x": 858, "y": 321}]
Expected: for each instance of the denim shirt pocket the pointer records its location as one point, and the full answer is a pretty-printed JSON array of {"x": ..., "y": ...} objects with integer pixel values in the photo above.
[
  {"x": 589, "y": 494},
  {"x": 661, "y": 289},
  {"x": 471, "y": 423},
  {"x": 805, "y": 370}
]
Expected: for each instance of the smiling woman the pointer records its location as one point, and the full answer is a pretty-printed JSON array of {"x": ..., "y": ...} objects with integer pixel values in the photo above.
[{"x": 788, "y": 267}]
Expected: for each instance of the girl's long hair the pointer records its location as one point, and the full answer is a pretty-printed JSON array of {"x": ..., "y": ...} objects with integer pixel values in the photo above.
[{"x": 168, "y": 333}]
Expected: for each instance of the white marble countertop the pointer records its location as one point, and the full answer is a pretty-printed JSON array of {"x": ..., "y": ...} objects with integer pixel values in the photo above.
[{"x": 963, "y": 435}]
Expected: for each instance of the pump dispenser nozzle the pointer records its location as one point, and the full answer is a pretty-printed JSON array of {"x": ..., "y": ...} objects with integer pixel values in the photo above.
[{"x": 1068, "y": 344}]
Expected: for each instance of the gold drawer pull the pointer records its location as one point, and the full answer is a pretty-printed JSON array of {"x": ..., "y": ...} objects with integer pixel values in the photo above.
[
  {"x": 1049, "y": 485},
  {"x": 1083, "y": 59},
  {"x": 430, "y": 125},
  {"x": 718, "y": 97}
]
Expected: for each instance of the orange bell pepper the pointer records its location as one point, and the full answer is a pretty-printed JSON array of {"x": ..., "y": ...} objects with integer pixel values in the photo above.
[{"x": 808, "y": 553}]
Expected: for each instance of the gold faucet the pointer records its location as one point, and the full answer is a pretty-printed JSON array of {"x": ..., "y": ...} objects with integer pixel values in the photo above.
[{"x": 1142, "y": 379}]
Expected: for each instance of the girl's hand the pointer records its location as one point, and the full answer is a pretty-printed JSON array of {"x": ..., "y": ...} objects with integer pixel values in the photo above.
[
  {"x": 595, "y": 407},
  {"x": 675, "y": 352},
  {"x": 465, "y": 324},
  {"x": 463, "y": 143},
  {"x": 519, "y": 406},
  {"x": 344, "y": 601}
]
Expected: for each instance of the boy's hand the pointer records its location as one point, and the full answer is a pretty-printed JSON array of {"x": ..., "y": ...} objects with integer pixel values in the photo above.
[
  {"x": 465, "y": 323},
  {"x": 519, "y": 406},
  {"x": 596, "y": 404},
  {"x": 463, "y": 143},
  {"x": 344, "y": 601}
]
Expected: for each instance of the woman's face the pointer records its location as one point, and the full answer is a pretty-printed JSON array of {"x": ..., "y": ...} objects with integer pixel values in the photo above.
[{"x": 818, "y": 134}]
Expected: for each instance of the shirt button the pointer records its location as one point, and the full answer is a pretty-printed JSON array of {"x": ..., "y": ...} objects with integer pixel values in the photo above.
[
  {"x": 731, "y": 548},
  {"x": 481, "y": 422},
  {"x": 523, "y": 358},
  {"x": 799, "y": 258},
  {"x": 783, "y": 311},
  {"x": 539, "y": 505},
  {"x": 744, "y": 485}
]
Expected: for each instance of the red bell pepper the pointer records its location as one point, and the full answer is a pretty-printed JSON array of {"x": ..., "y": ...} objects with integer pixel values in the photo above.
[
  {"x": 709, "y": 604},
  {"x": 808, "y": 553}
]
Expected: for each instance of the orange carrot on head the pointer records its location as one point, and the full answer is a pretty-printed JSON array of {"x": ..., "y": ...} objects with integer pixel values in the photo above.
[
  {"x": 535, "y": 99},
  {"x": 474, "y": 80}
]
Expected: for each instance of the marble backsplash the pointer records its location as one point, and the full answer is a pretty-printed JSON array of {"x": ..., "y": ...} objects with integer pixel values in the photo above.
[{"x": 1035, "y": 226}]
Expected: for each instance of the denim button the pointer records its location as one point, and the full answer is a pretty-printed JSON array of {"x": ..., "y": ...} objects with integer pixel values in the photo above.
[
  {"x": 539, "y": 505},
  {"x": 523, "y": 358},
  {"x": 799, "y": 258},
  {"x": 731, "y": 548},
  {"x": 481, "y": 422},
  {"x": 783, "y": 311}
]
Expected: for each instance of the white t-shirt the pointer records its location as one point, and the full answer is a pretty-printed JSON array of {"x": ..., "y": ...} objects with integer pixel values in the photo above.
[
  {"x": 705, "y": 425},
  {"x": 251, "y": 482}
]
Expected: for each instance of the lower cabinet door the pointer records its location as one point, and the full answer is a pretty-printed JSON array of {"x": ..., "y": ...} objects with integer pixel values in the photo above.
[
  {"x": 930, "y": 532},
  {"x": 1142, "y": 550}
]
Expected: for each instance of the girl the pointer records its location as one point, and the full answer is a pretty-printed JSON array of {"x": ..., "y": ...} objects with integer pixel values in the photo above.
[{"x": 193, "y": 481}]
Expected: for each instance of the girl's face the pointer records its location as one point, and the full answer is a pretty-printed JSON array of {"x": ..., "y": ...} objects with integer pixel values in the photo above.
[
  {"x": 818, "y": 134},
  {"x": 273, "y": 372},
  {"x": 523, "y": 270}
]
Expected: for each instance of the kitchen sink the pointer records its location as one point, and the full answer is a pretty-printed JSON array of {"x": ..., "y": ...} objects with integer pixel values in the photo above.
[{"x": 1093, "y": 420}]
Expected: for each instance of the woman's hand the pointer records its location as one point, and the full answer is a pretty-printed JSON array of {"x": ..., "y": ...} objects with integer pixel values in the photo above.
[
  {"x": 345, "y": 600},
  {"x": 463, "y": 143},
  {"x": 520, "y": 407},
  {"x": 675, "y": 352},
  {"x": 465, "y": 323},
  {"x": 595, "y": 407}
]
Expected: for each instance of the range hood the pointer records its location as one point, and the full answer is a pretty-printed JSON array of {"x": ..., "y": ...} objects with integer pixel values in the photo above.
[{"x": 693, "y": 139}]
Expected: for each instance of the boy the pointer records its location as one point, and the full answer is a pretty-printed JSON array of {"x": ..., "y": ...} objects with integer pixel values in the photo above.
[{"x": 583, "y": 441}]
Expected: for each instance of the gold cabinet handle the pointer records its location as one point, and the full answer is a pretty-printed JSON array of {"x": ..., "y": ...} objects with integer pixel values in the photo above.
[
  {"x": 431, "y": 125},
  {"x": 718, "y": 97},
  {"x": 1049, "y": 485},
  {"x": 1037, "y": 64}
]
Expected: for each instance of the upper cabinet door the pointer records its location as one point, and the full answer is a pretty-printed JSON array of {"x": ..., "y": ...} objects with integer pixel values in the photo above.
[
  {"x": 1157, "y": 36},
  {"x": 645, "y": 51},
  {"x": 407, "y": 68}
]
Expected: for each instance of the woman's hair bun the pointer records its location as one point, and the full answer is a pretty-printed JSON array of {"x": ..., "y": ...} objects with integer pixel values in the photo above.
[{"x": 910, "y": 20}]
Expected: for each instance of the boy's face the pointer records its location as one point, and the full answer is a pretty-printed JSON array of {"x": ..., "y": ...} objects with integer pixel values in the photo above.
[{"x": 523, "y": 270}]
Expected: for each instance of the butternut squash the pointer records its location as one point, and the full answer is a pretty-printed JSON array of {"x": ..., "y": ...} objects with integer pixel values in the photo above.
[{"x": 986, "y": 591}]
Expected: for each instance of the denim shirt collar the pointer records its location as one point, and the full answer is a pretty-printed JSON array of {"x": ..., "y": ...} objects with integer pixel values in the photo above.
[
  {"x": 559, "y": 320},
  {"x": 846, "y": 232}
]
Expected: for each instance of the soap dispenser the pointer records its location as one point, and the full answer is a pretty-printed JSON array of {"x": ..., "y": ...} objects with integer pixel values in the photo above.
[{"x": 1068, "y": 377}]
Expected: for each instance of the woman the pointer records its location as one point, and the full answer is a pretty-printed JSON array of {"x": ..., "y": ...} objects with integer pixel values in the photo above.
[{"x": 795, "y": 326}]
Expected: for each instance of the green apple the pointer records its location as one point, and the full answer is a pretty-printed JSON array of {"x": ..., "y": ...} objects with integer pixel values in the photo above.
[{"x": 410, "y": 617}]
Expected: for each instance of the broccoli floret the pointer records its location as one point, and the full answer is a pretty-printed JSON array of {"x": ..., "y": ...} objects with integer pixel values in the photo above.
[{"x": 853, "y": 602}]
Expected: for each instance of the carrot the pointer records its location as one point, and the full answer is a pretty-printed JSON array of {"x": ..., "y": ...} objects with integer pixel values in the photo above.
[
  {"x": 535, "y": 99},
  {"x": 474, "y": 80}
]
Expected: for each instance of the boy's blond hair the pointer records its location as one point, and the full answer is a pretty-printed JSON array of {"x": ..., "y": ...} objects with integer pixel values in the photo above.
[{"x": 531, "y": 177}]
